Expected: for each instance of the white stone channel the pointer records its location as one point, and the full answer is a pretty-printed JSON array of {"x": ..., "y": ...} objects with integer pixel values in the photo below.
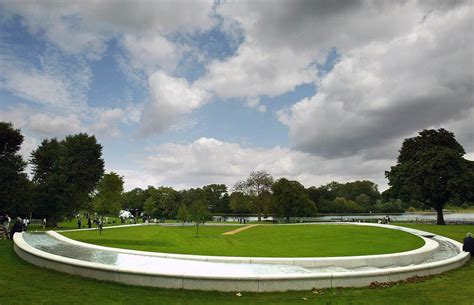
[{"x": 54, "y": 251}]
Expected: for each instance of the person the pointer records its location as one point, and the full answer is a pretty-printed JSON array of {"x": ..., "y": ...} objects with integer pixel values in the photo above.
[
  {"x": 101, "y": 226},
  {"x": 44, "y": 223},
  {"x": 79, "y": 223},
  {"x": 89, "y": 223},
  {"x": 17, "y": 227},
  {"x": 25, "y": 224},
  {"x": 469, "y": 244},
  {"x": 6, "y": 223}
]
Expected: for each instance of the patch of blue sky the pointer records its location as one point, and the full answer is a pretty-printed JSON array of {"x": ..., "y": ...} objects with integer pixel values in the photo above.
[
  {"x": 16, "y": 41},
  {"x": 232, "y": 121},
  {"x": 10, "y": 100},
  {"x": 331, "y": 59},
  {"x": 214, "y": 44},
  {"x": 110, "y": 87}
]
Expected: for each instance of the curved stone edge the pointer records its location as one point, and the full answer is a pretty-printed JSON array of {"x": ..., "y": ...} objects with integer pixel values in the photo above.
[
  {"x": 232, "y": 283},
  {"x": 380, "y": 260}
]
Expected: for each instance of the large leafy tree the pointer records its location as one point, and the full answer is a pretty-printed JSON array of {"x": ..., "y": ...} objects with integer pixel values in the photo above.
[
  {"x": 65, "y": 173},
  {"x": 162, "y": 202},
  {"x": 14, "y": 184},
  {"x": 216, "y": 195},
  {"x": 429, "y": 168},
  {"x": 109, "y": 196},
  {"x": 257, "y": 184},
  {"x": 239, "y": 202},
  {"x": 291, "y": 199},
  {"x": 134, "y": 199}
]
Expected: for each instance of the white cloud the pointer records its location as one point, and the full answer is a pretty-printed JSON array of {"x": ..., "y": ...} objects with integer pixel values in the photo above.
[
  {"x": 255, "y": 71},
  {"x": 284, "y": 40},
  {"x": 382, "y": 92},
  {"x": 54, "y": 126},
  {"x": 171, "y": 98},
  {"x": 54, "y": 83},
  {"x": 208, "y": 160},
  {"x": 84, "y": 27},
  {"x": 149, "y": 53}
]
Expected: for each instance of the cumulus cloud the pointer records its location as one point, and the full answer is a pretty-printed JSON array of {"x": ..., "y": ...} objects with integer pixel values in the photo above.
[
  {"x": 40, "y": 124},
  {"x": 152, "y": 52},
  {"x": 85, "y": 27},
  {"x": 284, "y": 40},
  {"x": 171, "y": 98},
  {"x": 208, "y": 160},
  {"x": 384, "y": 91},
  {"x": 256, "y": 71}
]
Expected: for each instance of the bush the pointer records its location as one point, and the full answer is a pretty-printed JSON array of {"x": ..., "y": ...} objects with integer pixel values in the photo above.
[
  {"x": 464, "y": 206},
  {"x": 411, "y": 209}
]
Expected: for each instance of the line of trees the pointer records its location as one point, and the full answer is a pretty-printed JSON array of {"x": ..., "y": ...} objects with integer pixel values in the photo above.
[{"x": 68, "y": 176}]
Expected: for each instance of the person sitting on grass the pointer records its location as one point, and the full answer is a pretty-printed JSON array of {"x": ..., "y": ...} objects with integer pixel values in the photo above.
[{"x": 469, "y": 244}]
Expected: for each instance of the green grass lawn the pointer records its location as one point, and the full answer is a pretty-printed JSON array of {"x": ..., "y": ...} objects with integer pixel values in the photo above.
[
  {"x": 72, "y": 224},
  {"x": 268, "y": 240},
  {"x": 22, "y": 283}
]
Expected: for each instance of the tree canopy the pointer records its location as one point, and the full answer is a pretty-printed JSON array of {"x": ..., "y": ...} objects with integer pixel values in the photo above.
[
  {"x": 430, "y": 168},
  {"x": 109, "y": 196},
  {"x": 291, "y": 199},
  {"x": 65, "y": 173},
  {"x": 14, "y": 184},
  {"x": 257, "y": 183}
]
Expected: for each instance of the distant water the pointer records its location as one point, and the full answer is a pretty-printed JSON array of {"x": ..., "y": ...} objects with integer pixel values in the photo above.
[{"x": 405, "y": 217}]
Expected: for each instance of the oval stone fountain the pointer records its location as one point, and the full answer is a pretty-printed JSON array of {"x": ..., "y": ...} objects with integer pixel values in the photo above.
[{"x": 54, "y": 251}]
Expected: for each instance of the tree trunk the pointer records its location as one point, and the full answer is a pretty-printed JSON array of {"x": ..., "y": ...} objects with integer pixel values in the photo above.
[
  {"x": 197, "y": 229},
  {"x": 440, "y": 220},
  {"x": 288, "y": 219}
]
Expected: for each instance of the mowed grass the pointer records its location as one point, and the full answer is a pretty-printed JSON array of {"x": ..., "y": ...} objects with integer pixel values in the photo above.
[
  {"x": 23, "y": 283},
  {"x": 259, "y": 241}
]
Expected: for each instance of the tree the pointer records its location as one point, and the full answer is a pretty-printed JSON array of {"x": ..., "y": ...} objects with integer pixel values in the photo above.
[
  {"x": 109, "y": 197},
  {"x": 198, "y": 213},
  {"x": 162, "y": 202},
  {"x": 292, "y": 200},
  {"x": 183, "y": 214},
  {"x": 254, "y": 186},
  {"x": 239, "y": 202},
  {"x": 216, "y": 196},
  {"x": 65, "y": 173},
  {"x": 428, "y": 169},
  {"x": 14, "y": 184},
  {"x": 134, "y": 199}
]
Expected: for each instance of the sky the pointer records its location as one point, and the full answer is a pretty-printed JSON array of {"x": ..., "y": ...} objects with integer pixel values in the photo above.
[{"x": 188, "y": 93}]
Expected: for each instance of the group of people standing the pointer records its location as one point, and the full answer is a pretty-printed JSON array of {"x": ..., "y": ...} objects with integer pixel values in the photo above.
[{"x": 19, "y": 226}]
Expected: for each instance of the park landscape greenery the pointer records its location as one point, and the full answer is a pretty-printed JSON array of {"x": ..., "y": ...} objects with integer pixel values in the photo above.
[
  {"x": 23, "y": 283},
  {"x": 68, "y": 177},
  {"x": 259, "y": 241}
]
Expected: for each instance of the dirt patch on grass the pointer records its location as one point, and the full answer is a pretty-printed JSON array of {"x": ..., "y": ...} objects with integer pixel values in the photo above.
[{"x": 239, "y": 230}]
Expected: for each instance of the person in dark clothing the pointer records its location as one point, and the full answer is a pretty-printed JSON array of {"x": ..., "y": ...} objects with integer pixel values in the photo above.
[
  {"x": 79, "y": 223},
  {"x": 17, "y": 227},
  {"x": 469, "y": 244},
  {"x": 89, "y": 223}
]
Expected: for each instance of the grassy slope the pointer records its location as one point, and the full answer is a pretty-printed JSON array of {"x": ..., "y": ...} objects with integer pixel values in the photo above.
[
  {"x": 294, "y": 241},
  {"x": 22, "y": 283}
]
